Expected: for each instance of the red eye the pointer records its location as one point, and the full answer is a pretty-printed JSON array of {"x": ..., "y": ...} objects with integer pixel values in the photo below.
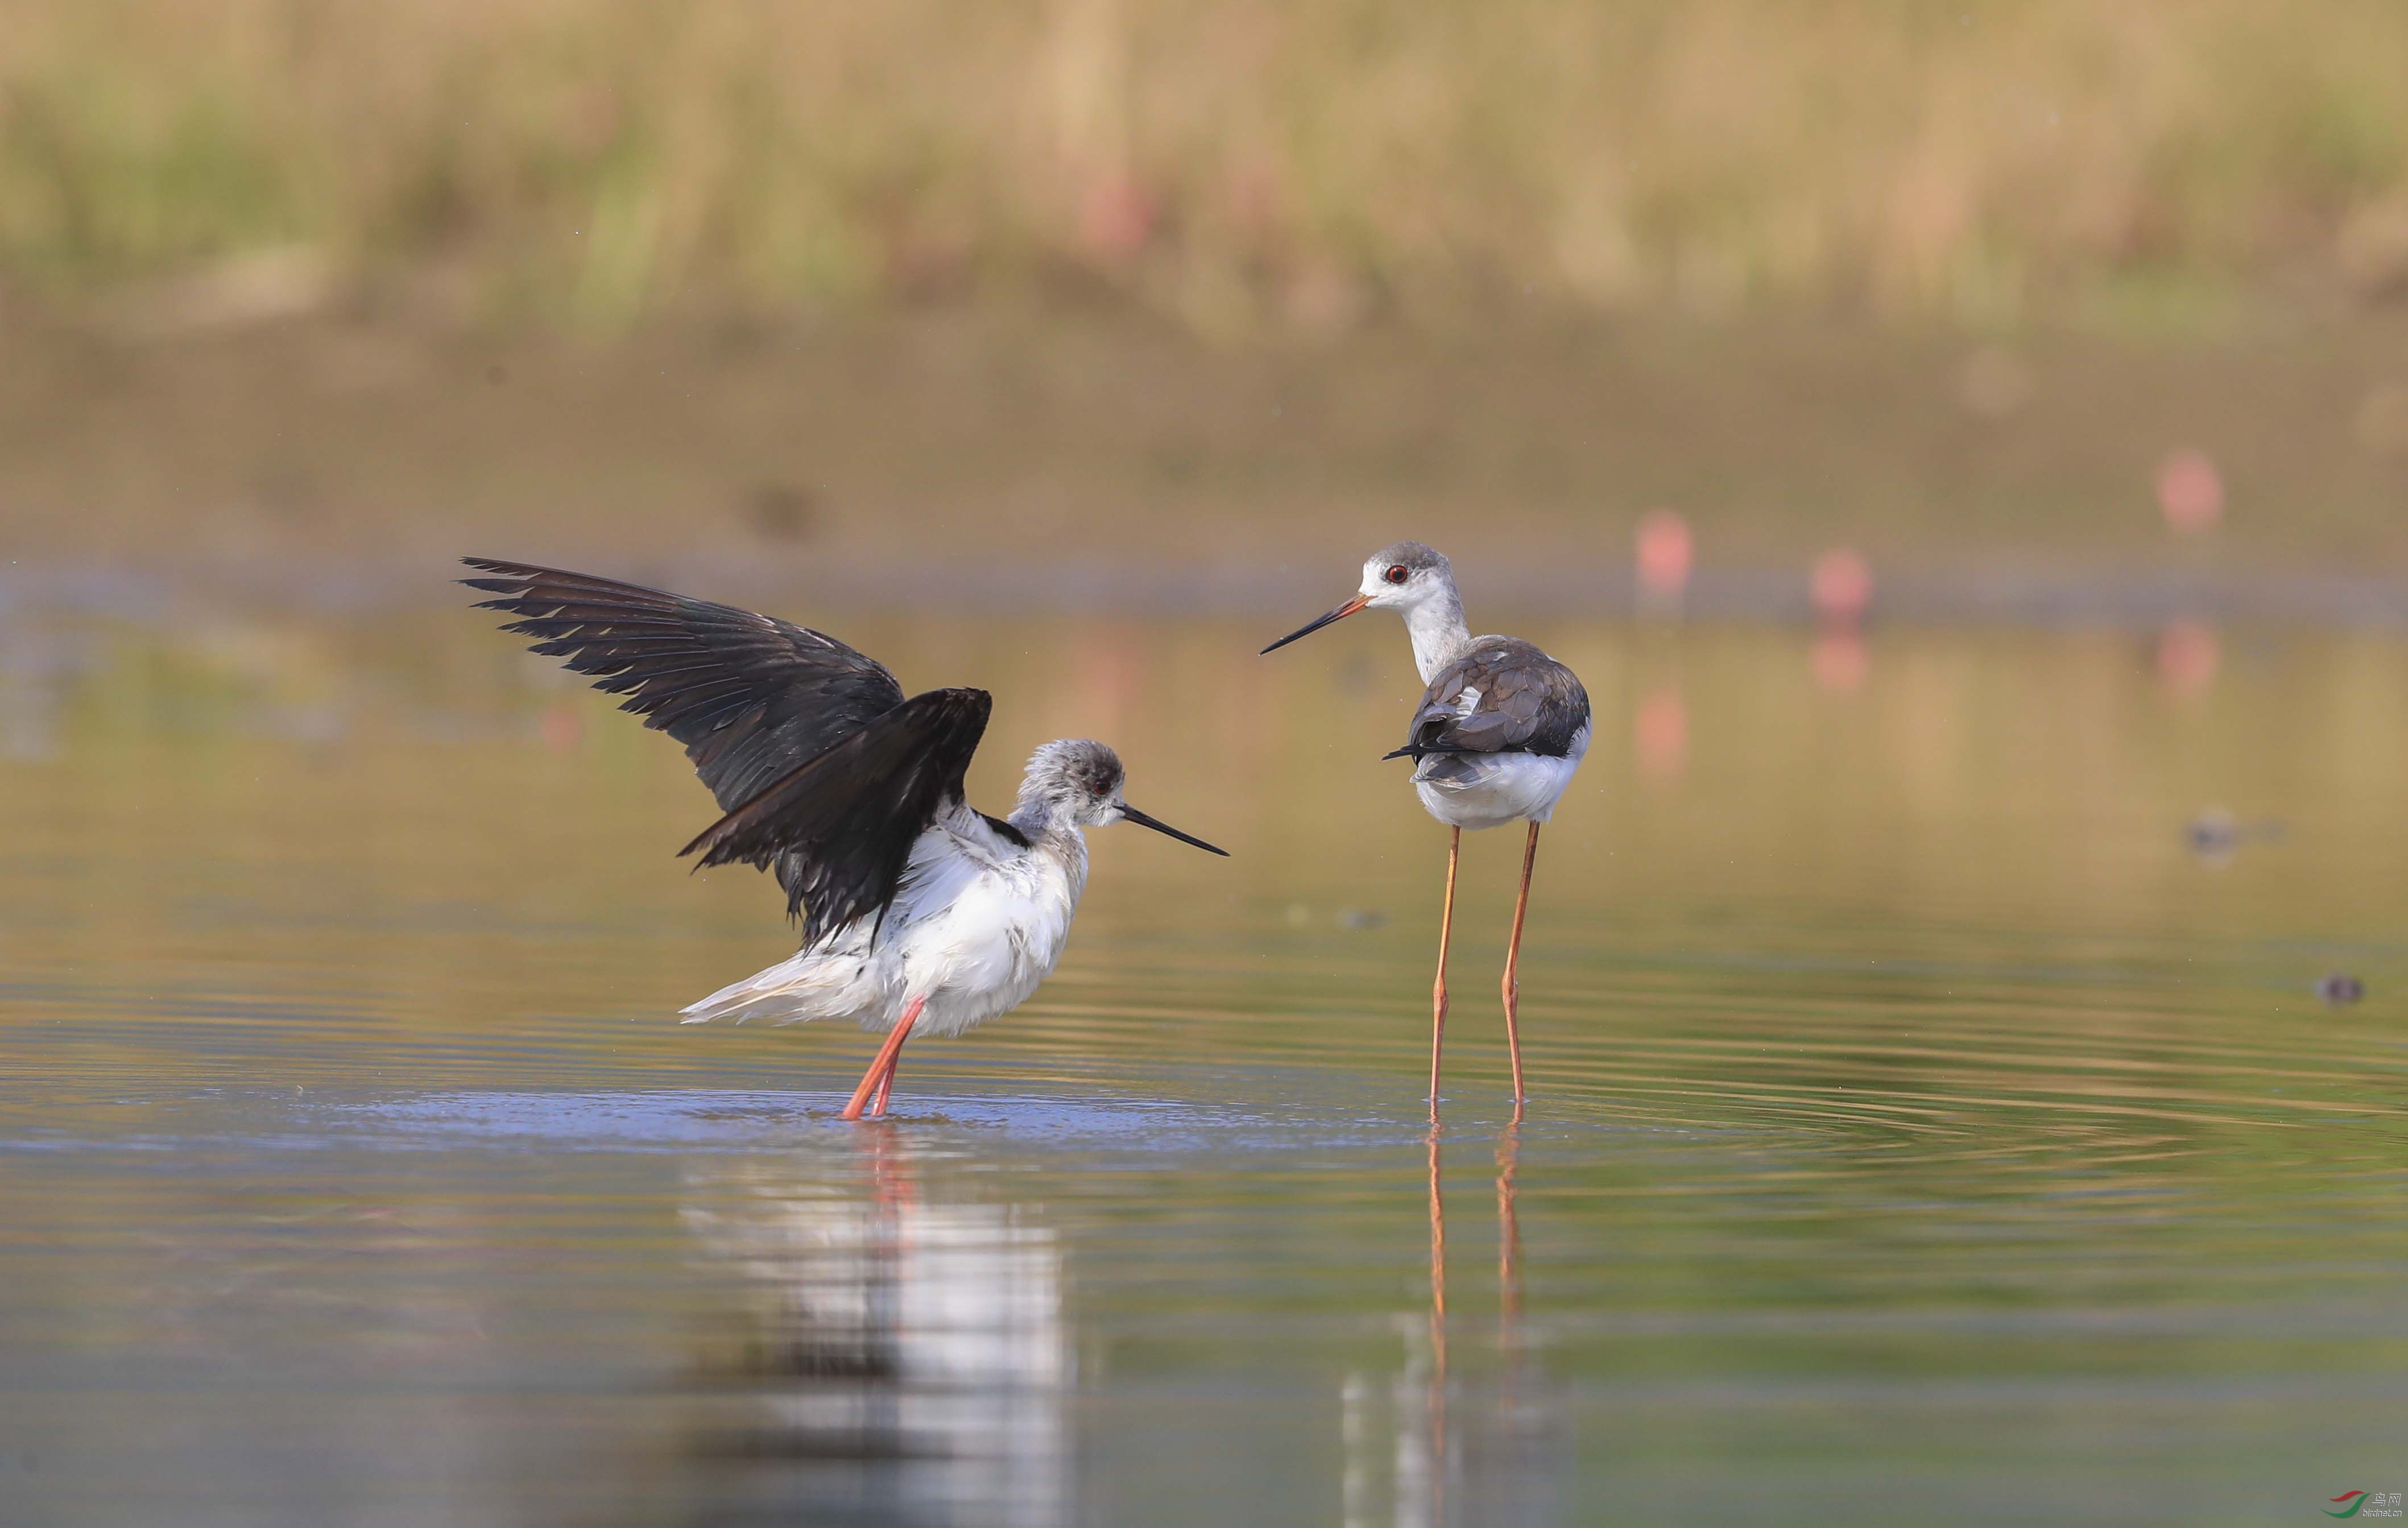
[{"x": 1397, "y": 573}]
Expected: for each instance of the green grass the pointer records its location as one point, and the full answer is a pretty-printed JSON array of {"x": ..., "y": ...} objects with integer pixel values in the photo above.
[{"x": 1241, "y": 165}]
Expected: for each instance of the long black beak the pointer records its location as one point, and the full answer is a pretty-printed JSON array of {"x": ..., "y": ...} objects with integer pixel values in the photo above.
[
  {"x": 1131, "y": 814},
  {"x": 1339, "y": 614}
]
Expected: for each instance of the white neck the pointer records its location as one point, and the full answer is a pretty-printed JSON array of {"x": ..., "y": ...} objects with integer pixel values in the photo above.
[{"x": 1439, "y": 633}]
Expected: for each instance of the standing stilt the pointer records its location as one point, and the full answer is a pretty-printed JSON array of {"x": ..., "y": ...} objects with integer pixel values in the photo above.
[
  {"x": 1513, "y": 963},
  {"x": 1498, "y": 733},
  {"x": 881, "y": 1069},
  {"x": 1438, "y": 990}
]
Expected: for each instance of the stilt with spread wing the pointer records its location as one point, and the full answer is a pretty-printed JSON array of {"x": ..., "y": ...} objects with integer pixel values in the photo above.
[{"x": 919, "y": 913}]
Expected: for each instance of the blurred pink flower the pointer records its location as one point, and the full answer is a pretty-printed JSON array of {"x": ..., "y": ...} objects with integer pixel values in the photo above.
[
  {"x": 1665, "y": 553},
  {"x": 1116, "y": 218},
  {"x": 1842, "y": 587},
  {"x": 2191, "y": 491}
]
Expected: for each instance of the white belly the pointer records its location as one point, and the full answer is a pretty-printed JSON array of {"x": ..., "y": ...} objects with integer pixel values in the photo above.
[
  {"x": 979, "y": 955},
  {"x": 972, "y": 937},
  {"x": 1490, "y": 789}
]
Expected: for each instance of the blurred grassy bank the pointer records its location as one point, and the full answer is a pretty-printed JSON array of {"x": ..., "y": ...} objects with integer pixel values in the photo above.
[
  {"x": 1015, "y": 440},
  {"x": 1242, "y": 165}
]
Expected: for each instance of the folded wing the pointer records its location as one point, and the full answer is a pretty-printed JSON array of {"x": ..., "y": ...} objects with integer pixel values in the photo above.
[{"x": 1504, "y": 696}]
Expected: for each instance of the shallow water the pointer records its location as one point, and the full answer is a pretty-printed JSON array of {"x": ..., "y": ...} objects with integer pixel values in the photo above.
[{"x": 1923, "y": 1126}]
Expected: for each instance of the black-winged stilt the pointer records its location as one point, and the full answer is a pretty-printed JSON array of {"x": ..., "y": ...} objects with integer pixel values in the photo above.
[
  {"x": 917, "y": 911},
  {"x": 1496, "y": 739}
]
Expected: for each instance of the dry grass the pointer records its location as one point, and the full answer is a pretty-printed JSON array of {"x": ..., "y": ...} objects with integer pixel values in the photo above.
[{"x": 1243, "y": 164}]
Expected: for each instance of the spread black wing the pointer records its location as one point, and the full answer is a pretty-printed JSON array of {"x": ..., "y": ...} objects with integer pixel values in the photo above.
[
  {"x": 750, "y": 697},
  {"x": 848, "y": 818},
  {"x": 1504, "y": 696},
  {"x": 756, "y": 701}
]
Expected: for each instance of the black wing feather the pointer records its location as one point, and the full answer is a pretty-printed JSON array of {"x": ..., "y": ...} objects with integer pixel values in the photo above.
[
  {"x": 849, "y": 816},
  {"x": 826, "y": 772},
  {"x": 1528, "y": 702},
  {"x": 750, "y": 697}
]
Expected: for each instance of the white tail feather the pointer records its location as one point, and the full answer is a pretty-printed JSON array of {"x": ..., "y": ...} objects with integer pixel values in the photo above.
[
  {"x": 802, "y": 987},
  {"x": 758, "y": 996}
]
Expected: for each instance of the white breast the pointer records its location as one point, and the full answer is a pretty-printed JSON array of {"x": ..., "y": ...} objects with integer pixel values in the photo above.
[{"x": 977, "y": 938}]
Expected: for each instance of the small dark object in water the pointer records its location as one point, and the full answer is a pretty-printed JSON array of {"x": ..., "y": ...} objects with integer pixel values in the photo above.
[
  {"x": 1362, "y": 917},
  {"x": 2216, "y": 833},
  {"x": 2214, "y": 830},
  {"x": 2338, "y": 989},
  {"x": 784, "y": 511}
]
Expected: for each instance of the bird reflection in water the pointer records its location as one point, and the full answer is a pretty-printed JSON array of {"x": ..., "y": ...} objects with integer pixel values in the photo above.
[
  {"x": 1460, "y": 1447},
  {"x": 900, "y": 1358}
]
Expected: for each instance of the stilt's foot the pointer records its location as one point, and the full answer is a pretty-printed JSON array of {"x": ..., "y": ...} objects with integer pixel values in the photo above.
[
  {"x": 862, "y": 1096},
  {"x": 881, "y": 1076},
  {"x": 871, "y": 1094}
]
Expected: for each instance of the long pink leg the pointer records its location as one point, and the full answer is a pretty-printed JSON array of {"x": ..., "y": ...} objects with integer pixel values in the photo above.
[
  {"x": 1512, "y": 965},
  {"x": 1438, "y": 989},
  {"x": 881, "y": 1069}
]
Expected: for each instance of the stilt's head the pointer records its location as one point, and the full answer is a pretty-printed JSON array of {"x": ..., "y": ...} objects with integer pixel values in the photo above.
[
  {"x": 1077, "y": 782},
  {"x": 1399, "y": 577},
  {"x": 1406, "y": 577}
]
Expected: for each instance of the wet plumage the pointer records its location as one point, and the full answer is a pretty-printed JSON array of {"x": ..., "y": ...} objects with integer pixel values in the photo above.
[{"x": 916, "y": 910}]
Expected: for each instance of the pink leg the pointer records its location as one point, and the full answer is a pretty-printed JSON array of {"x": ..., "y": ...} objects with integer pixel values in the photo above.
[
  {"x": 1513, "y": 969},
  {"x": 882, "y": 1069},
  {"x": 1438, "y": 989}
]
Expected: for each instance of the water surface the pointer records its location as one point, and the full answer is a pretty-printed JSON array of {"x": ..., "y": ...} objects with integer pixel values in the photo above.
[{"x": 1926, "y": 1124}]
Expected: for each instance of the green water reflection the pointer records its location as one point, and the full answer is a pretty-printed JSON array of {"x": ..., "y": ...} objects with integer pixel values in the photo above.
[{"x": 1923, "y": 1124}]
